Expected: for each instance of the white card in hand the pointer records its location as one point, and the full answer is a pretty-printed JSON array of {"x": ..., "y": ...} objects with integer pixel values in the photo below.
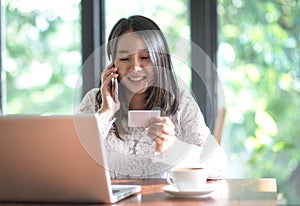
[{"x": 140, "y": 118}]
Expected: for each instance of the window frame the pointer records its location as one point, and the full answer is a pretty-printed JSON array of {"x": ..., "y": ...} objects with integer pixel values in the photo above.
[
  {"x": 93, "y": 36},
  {"x": 204, "y": 34}
]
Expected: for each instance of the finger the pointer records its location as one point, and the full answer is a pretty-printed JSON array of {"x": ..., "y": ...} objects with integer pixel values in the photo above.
[
  {"x": 107, "y": 73},
  {"x": 154, "y": 134},
  {"x": 116, "y": 91},
  {"x": 111, "y": 65},
  {"x": 158, "y": 128},
  {"x": 158, "y": 141},
  {"x": 109, "y": 78},
  {"x": 154, "y": 120},
  {"x": 158, "y": 148},
  {"x": 169, "y": 129},
  {"x": 105, "y": 86},
  {"x": 162, "y": 120},
  {"x": 109, "y": 69},
  {"x": 159, "y": 144}
]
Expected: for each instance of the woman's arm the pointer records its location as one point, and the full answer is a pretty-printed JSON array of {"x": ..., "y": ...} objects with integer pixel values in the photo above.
[
  {"x": 195, "y": 131},
  {"x": 88, "y": 105},
  {"x": 194, "y": 145}
]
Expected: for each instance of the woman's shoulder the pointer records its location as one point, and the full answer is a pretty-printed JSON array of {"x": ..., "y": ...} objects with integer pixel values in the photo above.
[
  {"x": 187, "y": 103},
  {"x": 185, "y": 96},
  {"x": 88, "y": 103},
  {"x": 92, "y": 92}
]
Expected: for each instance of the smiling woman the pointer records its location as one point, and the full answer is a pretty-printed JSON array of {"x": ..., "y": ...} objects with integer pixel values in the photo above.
[
  {"x": 141, "y": 62},
  {"x": 41, "y": 56}
]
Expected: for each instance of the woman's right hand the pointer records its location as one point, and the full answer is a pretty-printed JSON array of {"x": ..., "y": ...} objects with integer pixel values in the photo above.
[{"x": 110, "y": 104}]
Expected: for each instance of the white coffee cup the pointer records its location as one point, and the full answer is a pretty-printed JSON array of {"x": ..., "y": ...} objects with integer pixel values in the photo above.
[{"x": 188, "y": 179}]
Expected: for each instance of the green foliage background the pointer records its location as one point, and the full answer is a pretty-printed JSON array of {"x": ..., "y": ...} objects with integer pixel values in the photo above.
[
  {"x": 263, "y": 83},
  {"x": 33, "y": 49}
]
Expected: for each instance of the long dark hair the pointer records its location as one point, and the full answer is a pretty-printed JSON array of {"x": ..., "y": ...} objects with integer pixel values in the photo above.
[{"x": 164, "y": 92}]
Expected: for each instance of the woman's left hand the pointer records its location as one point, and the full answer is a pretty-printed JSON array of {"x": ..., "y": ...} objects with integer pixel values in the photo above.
[{"x": 162, "y": 131}]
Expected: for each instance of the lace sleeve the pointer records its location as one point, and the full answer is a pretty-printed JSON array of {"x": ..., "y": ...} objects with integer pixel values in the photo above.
[
  {"x": 192, "y": 124},
  {"x": 88, "y": 103},
  {"x": 90, "y": 106},
  {"x": 104, "y": 123}
]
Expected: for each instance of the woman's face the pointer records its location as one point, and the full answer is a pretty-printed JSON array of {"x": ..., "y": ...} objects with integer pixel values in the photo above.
[{"x": 133, "y": 63}]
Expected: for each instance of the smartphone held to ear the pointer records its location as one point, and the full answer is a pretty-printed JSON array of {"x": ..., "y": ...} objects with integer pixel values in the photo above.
[
  {"x": 113, "y": 86},
  {"x": 113, "y": 89},
  {"x": 141, "y": 118}
]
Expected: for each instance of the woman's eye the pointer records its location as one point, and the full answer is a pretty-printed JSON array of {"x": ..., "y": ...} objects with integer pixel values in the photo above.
[
  {"x": 145, "y": 57},
  {"x": 124, "y": 59}
]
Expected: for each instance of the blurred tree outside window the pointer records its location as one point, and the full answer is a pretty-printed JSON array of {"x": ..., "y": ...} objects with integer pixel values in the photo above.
[
  {"x": 42, "y": 55},
  {"x": 258, "y": 63}
]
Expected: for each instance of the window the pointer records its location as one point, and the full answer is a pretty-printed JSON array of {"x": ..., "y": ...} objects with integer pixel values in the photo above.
[{"x": 41, "y": 56}]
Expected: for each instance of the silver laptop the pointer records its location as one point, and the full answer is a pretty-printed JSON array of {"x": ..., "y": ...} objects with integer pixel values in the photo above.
[{"x": 55, "y": 159}]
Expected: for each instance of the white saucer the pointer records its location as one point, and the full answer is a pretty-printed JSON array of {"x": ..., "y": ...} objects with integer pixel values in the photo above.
[{"x": 172, "y": 190}]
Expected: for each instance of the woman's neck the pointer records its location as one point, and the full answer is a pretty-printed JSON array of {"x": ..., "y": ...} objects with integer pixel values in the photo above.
[{"x": 137, "y": 102}]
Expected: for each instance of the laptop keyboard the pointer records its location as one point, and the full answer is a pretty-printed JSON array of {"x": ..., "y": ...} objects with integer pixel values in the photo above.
[{"x": 115, "y": 190}]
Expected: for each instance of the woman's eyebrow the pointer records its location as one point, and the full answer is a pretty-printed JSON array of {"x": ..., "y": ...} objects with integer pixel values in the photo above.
[{"x": 123, "y": 51}]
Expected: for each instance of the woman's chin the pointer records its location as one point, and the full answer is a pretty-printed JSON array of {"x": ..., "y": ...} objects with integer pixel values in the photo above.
[{"x": 138, "y": 90}]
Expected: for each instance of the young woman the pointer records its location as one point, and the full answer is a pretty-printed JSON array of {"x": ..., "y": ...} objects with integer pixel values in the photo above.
[{"x": 145, "y": 80}]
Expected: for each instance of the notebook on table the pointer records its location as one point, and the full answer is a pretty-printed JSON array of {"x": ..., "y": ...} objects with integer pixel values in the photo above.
[{"x": 55, "y": 159}]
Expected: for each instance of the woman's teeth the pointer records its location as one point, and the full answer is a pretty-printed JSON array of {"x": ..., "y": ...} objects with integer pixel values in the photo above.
[{"x": 136, "y": 79}]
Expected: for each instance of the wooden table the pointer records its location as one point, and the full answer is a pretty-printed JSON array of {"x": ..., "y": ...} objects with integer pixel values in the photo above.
[{"x": 229, "y": 192}]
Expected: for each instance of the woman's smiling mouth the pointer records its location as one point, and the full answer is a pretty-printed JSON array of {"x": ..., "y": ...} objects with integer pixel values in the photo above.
[{"x": 136, "y": 78}]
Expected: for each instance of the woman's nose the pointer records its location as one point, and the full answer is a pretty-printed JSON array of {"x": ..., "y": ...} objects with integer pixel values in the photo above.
[{"x": 136, "y": 64}]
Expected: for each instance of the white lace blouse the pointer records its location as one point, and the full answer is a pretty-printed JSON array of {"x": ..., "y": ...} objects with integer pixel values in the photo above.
[{"x": 134, "y": 155}]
